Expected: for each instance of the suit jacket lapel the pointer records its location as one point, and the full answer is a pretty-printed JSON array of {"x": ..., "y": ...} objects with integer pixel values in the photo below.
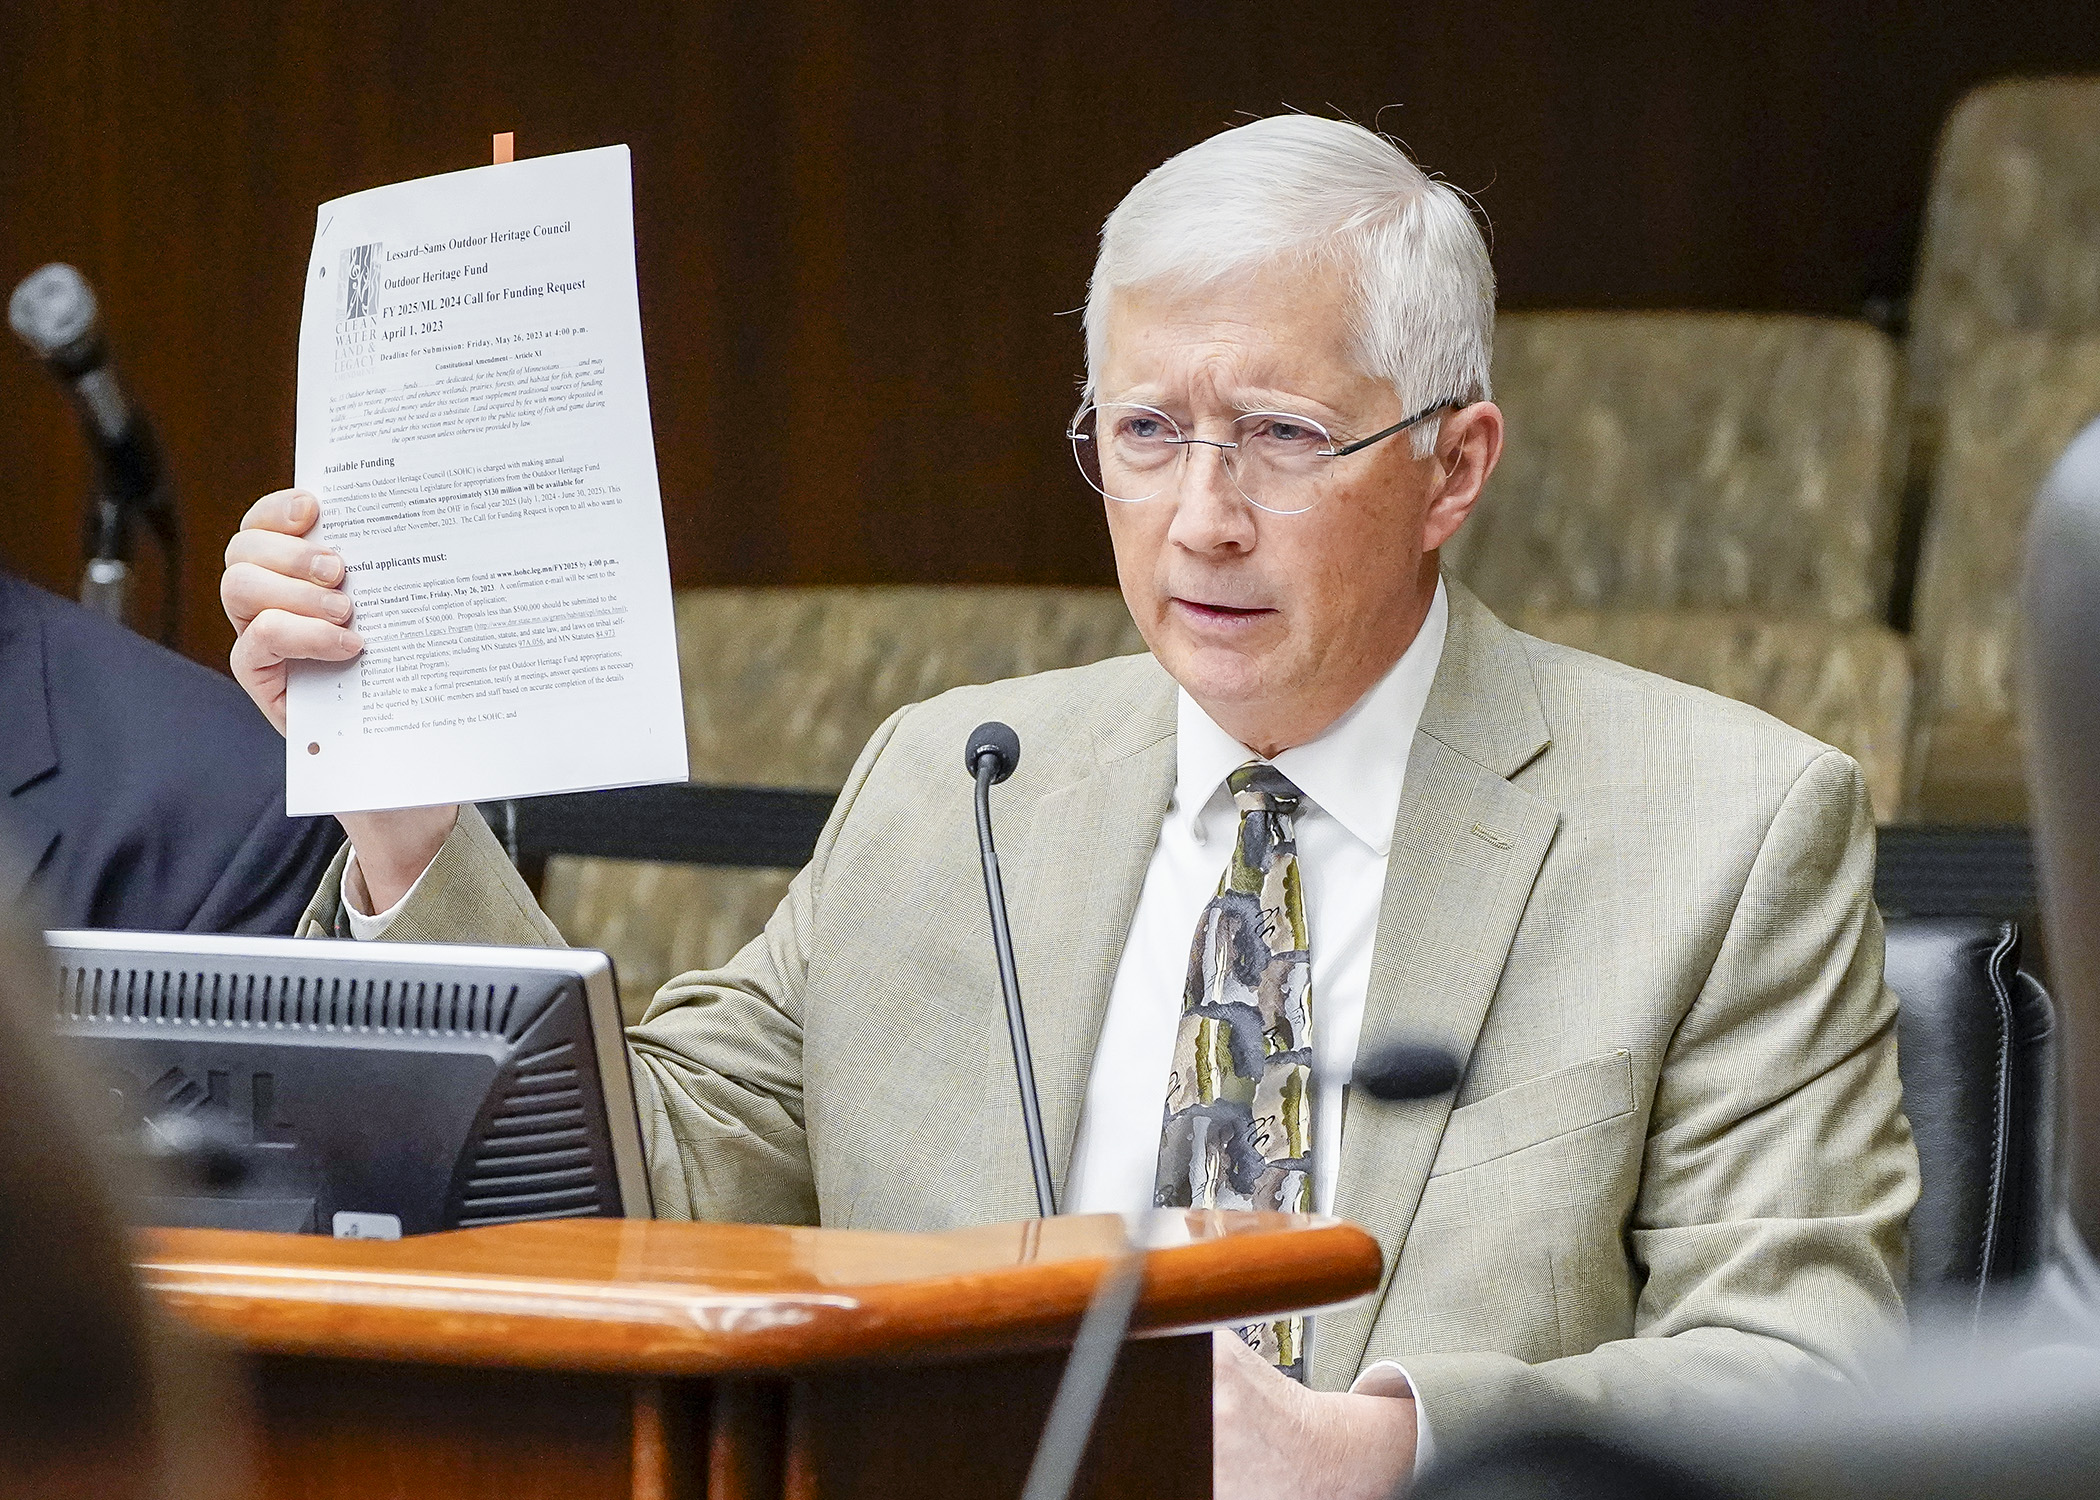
[
  {"x": 1075, "y": 888},
  {"x": 1466, "y": 849},
  {"x": 28, "y": 749}
]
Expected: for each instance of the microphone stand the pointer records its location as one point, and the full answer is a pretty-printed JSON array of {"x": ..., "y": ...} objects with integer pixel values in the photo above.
[
  {"x": 106, "y": 578},
  {"x": 105, "y": 581},
  {"x": 990, "y": 764}
]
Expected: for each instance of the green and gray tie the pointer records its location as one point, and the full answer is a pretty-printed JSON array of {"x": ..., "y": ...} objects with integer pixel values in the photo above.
[{"x": 1239, "y": 1120}]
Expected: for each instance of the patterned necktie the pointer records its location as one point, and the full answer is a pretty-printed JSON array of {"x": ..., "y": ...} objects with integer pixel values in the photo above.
[{"x": 1239, "y": 1123}]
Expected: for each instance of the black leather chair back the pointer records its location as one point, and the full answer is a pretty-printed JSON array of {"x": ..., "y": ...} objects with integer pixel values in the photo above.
[{"x": 1976, "y": 1047}]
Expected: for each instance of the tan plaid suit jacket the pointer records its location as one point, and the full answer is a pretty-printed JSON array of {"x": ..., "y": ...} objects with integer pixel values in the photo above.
[{"x": 1642, "y": 914}]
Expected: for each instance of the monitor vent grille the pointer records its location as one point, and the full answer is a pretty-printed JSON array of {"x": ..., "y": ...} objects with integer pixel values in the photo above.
[
  {"x": 306, "y": 1001},
  {"x": 534, "y": 1161}
]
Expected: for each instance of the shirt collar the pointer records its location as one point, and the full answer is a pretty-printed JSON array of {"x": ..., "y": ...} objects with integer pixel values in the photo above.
[{"x": 1353, "y": 771}]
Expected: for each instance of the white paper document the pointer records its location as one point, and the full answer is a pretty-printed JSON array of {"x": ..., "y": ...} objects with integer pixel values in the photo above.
[{"x": 474, "y": 416}]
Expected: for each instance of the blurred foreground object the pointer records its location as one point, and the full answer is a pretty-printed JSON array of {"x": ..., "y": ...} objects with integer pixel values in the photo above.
[
  {"x": 53, "y": 311},
  {"x": 138, "y": 789},
  {"x": 1956, "y": 1426},
  {"x": 2063, "y": 717},
  {"x": 95, "y": 1397}
]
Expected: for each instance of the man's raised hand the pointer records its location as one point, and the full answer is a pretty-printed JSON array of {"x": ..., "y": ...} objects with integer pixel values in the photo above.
[{"x": 283, "y": 591}]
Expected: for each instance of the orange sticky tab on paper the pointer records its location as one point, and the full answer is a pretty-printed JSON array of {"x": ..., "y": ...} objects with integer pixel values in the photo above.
[{"x": 503, "y": 147}]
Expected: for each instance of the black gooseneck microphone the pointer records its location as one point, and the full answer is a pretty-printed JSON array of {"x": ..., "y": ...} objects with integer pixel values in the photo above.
[
  {"x": 1395, "y": 1073},
  {"x": 53, "y": 311},
  {"x": 990, "y": 756}
]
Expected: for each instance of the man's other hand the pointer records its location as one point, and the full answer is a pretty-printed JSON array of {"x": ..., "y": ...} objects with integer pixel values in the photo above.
[
  {"x": 1272, "y": 1436},
  {"x": 284, "y": 593}
]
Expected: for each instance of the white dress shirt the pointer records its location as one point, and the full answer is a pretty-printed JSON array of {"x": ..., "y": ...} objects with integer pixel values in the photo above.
[{"x": 1351, "y": 778}]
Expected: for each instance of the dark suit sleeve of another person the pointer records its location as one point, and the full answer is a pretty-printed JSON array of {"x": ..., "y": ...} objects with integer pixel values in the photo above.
[{"x": 142, "y": 790}]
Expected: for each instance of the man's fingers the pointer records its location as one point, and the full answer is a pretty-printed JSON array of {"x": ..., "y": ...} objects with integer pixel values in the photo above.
[
  {"x": 294, "y": 556},
  {"x": 247, "y": 589},
  {"x": 277, "y": 636},
  {"x": 292, "y": 512}
]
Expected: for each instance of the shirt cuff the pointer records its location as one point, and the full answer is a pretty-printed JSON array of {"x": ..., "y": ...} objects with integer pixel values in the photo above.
[
  {"x": 366, "y": 929},
  {"x": 1387, "y": 1378}
]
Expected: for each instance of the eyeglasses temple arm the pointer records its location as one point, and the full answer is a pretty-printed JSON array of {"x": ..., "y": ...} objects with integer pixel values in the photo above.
[{"x": 1379, "y": 437}]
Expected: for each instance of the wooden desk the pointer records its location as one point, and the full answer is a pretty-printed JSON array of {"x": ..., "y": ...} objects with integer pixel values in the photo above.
[{"x": 629, "y": 1358}]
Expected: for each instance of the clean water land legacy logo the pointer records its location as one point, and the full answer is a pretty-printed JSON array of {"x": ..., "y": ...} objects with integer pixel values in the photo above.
[
  {"x": 361, "y": 281},
  {"x": 357, "y": 323}
]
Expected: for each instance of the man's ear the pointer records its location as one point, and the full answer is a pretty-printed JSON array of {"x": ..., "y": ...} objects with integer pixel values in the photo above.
[{"x": 1468, "y": 445}]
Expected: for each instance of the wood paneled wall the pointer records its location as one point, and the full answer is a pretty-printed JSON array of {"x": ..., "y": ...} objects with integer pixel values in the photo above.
[{"x": 861, "y": 226}]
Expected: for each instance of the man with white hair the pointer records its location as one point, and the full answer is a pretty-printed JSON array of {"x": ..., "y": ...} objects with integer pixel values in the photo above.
[{"x": 1338, "y": 804}]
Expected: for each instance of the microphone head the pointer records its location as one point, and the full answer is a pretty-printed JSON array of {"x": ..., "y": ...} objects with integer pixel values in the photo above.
[
  {"x": 996, "y": 739},
  {"x": 1406, "y": 1070},
  {"x": 53, "y": 311}
]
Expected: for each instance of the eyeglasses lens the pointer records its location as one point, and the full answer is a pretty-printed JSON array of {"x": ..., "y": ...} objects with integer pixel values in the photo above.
[
  {"x": 1126, "y": 452},
  {"x": 1281, "y": 462}
]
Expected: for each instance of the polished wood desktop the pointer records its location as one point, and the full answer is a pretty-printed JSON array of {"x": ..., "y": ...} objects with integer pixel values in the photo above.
[{"x": 638, "y": 1359}]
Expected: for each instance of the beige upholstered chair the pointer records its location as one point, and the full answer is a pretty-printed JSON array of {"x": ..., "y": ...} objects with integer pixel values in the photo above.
[
  {"x": 2012, "y": 230},
  {"x": 1846, "y": 684},
  {"x": 1689, "y": 460},
  {"x": 782, "y": 688},
  {"x": 2010, "y": 411}
]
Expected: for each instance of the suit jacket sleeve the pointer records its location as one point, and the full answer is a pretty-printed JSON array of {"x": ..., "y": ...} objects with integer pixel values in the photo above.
[
  {"x": 718, "y": 1061},
  {"x": 1779, "y": 1170},
  {"x": 470, "y": 894}
]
